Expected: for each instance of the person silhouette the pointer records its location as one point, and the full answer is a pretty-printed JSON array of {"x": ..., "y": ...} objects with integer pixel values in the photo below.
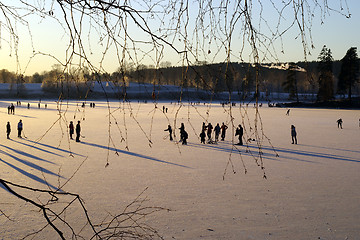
[
  {"x": 240, "y": 132},
  {"x": 8, "y": 130},
  {"x": 339, "y": 122},
  {"x": 20, "y": 128},
  {"x": 223, "y": 131},
  {"x": 170, "y": 132},
  {"x": 217, "y": 132},
  {"x": 78, "y": 130},
  {"x": 293, "y": 135},
  {"x": 71, "y": 129},
  {"x": 202, "y": 136}
]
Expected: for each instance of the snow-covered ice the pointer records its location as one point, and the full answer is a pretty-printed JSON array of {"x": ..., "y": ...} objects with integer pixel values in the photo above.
[{"x": 312, "y": 190}]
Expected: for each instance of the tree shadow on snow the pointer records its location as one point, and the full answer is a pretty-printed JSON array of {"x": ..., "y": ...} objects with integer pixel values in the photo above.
[{"x": 134, "y": 154}]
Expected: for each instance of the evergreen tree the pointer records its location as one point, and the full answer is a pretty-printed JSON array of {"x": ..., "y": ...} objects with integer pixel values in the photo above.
[
  {"x": 290, "y": 85},
  {"x": 349, "y": 73},
  {"x": 326, "y": 77}
]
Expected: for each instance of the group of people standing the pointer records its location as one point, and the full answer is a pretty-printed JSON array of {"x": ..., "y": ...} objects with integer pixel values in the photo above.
[
  {"x": 209, "y": 129},
  {"x": 77, "y": 130},
  {"x": 206, "y": 131},
  {"x": 20, "y": 130},
  {"x": 72, "y": 129}
]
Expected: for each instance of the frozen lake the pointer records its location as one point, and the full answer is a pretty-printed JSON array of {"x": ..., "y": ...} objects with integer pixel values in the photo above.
[{"x": 312, "y": 190}]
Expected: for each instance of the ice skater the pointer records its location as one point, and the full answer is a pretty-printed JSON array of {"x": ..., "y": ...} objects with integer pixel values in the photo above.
[
  {"x": 71, "y": 129},
  {"x": 170, "y": 132},
  {"x": 78, "y": 130},
  {"x": 202, "y": 136},
  {"x": 223, "y": 131},
  {"x": 240, "y": 132},
  {"x": 339, "y": 123},
  {"x": 8, "y": 130},
  {"x": 183, "y": 134},
  {"x": 217, "y": 132},
  {"x": 20, "y": 128},
  {"x": 12, "y": 109},
  {"x": 293, "y": 135},
  {"x": 209, "y": 131}
]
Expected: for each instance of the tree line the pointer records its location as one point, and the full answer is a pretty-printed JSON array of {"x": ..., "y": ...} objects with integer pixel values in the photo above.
[{"x": 323, "y": 78}]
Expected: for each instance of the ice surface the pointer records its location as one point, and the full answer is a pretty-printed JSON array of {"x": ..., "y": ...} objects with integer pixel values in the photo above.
[{"x": 312, "y": 189}]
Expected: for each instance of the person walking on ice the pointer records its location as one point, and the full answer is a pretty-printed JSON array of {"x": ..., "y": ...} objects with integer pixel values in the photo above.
[
  {"x": 183, "y": 134},
  {"x": 202, "y": 136},
  {"x": 170, "y": 132},
  {"x": 209, "y": 131},
  {"x": 223, "y": 131},
  {"x": 20, "y": 128},
  {"x": 8, "y": 130},
  {"x": 339, "y": 122},
  {"x": 71, "y": 129},
  {"x": 217, "y": 132},
  {"x": 240, "y": 132},
  {"x": 293, "y": 135},
  {"x": 78, "y": 130}
]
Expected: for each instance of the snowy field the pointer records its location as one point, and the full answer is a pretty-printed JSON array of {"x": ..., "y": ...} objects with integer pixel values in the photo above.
[{"x": 312, "y": 190}]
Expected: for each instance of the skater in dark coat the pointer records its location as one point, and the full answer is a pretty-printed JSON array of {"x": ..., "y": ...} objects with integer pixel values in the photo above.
[
  {"x": 217, "y": 132},
  {"x": 8, "y": 130},
  {"x": 182, "y": 130},
  {"x": 78, "y": 130},
  {"x": 339, "y": 122},
  {"x": 293, "y": 135},
  {"x": 71, "y": 129},
  {"x": 170, "y": 132},
  {"x": 209, "y": 131},
  {"x": 239, "y": 132},
  {"x": 202, "y": 136},
  {"x": 12, "y": 109},
  {"x": 184, "y": 137},
  {"x": 223, "y": 131},
  {"x": 183, "y": 134},
  {"x": 20, "y": 128}
]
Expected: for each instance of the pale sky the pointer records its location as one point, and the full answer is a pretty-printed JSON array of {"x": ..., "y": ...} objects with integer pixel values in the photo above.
[{"x": 337, "y": 32}]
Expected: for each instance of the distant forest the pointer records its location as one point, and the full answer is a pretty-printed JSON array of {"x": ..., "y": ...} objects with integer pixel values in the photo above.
[{"x": 232, "y": 77}]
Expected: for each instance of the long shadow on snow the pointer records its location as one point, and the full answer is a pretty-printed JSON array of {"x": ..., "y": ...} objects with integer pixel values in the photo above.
[
  {"x": 25, "y": 154},
  {"x": 243, "y": 152},
  {"x": 133, "y": 154},
  {"x": 29, "y": 175},
  {"x": 20, "y": 115},
  {"x": 30, "y": 164},
  {"x": 52, "y": 147},
  {"x": 311, "y": 154},
  {"x": 37, "y": 148},
  {"x": 329, "y": 148},
  {"x": 291, "y": 151}
]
